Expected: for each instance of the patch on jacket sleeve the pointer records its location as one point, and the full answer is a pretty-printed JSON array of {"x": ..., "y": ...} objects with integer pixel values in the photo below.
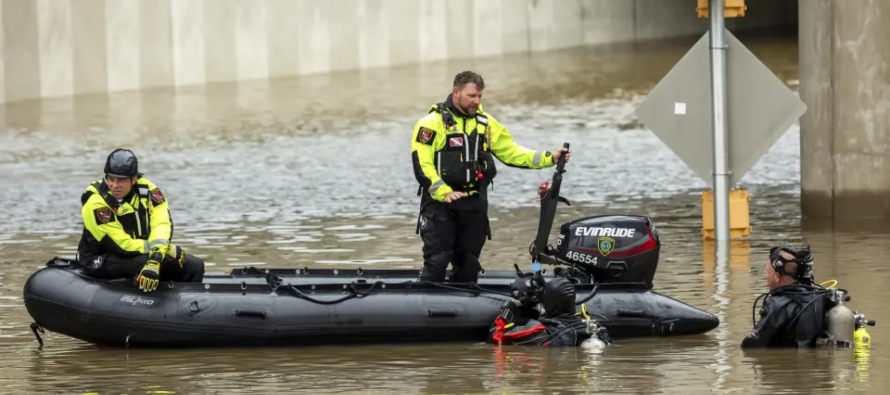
[
  {"x": 104, "y": 215},
  {"x": 426, "y": 136},
  {"x": 157, "y": 196}
]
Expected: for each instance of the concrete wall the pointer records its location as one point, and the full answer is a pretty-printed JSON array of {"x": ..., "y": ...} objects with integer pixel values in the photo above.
[
  {"x": 55, "y": 48},
  {"x": 845, "y": 133}
]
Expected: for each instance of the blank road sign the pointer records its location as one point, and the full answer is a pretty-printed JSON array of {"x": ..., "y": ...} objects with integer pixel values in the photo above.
[{"x": 760, "y": 108}]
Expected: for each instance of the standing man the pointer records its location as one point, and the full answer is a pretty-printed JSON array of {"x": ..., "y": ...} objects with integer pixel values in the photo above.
[
  {"x": 127, "y": 230},
  {"x": 452, "y": 148}
]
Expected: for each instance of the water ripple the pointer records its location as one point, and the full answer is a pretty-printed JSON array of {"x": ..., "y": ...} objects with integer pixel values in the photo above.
[{"x": 260, "y": 174}]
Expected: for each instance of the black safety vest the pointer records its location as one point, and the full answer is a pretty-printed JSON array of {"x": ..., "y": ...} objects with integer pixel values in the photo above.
[{"x": 464, "y": 162}]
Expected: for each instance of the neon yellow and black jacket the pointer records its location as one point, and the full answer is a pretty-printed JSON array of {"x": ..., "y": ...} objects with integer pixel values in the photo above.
[
  {"x": 130, "y": 227},
  {"x": 457, "y": 156}
]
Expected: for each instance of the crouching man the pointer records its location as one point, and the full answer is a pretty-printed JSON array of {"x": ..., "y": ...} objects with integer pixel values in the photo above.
[{"x": 127, "y": 229}]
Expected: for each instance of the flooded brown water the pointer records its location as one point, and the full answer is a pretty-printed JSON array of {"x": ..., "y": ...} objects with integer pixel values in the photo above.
[{"x": 315, "y": 172}]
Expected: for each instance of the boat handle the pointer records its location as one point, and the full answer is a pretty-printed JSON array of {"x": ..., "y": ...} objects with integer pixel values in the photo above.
[
  {"x": 442, "y": 313},
  {"x": 250, "y": 313}
]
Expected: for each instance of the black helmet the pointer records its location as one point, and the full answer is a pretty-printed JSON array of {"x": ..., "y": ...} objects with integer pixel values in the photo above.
[
  {"x": 122, "y": 163},
  {"x": 559, "y": 297},
  {"x": 526, "y": 291}
]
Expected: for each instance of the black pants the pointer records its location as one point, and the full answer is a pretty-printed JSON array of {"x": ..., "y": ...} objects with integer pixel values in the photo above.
[
  {"x": 453, "y": 233},
  {"x": 116, "y": 266}
]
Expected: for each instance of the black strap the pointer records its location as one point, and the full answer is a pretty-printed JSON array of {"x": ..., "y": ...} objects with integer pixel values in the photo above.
[
  {"x": 102, "y": 188},
  {"x": 447, "y": 117},
  {"x": 139, "y": 189}
]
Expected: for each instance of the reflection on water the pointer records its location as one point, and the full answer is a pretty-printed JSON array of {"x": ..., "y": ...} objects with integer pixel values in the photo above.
[{"x": 315, "y": 172}]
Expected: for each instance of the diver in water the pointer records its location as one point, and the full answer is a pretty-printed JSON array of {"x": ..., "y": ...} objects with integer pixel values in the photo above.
[
  {"x": 793, "y": 313},
  {"x": 522, "y": 322}
]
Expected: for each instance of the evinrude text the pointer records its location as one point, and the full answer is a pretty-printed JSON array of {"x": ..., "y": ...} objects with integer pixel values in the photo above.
[{"x": 611, "y": 232}]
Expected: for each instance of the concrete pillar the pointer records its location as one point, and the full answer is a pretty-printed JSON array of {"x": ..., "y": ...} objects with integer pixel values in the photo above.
[{"x": 845, "y": 133}]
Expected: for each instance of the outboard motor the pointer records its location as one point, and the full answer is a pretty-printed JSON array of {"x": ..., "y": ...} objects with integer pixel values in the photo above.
[{"x": 615, "y": 248}]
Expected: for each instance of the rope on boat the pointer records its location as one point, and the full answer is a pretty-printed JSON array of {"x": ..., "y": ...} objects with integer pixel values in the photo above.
[
  {"x": 355, "y": 293},
  {"x": 473, "y": 287},
  {"x": 275, "y": 282}
]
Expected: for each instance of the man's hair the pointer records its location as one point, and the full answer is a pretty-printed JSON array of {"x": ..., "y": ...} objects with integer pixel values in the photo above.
[{"x": 465, "y": 77}]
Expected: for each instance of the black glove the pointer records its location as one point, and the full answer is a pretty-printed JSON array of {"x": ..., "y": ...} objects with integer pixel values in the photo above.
[
  {"x": 515, "y": 313},
  {"x": 174, "y": 252},
  {"x": 149, "y": 277},
  {"x": 527, "y": 290}
]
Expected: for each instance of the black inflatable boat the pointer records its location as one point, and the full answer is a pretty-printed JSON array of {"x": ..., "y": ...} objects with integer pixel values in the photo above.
[{"x": 610, "y": 259}]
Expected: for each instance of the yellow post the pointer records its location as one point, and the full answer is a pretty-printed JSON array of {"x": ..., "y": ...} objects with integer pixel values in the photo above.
[
  {"x": 739, "y": 214},
  {"x": 731, "y": 8}
]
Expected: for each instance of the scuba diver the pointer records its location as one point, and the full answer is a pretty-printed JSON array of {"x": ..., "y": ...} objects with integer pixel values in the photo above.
[
  {"x": 543, "y": 313},
  {"x": 798, "y": 313},
  {"x": 793, "y": 313}
]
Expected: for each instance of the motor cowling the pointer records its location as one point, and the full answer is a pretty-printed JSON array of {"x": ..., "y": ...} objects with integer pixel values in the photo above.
[{"x": 615, "y": 248}]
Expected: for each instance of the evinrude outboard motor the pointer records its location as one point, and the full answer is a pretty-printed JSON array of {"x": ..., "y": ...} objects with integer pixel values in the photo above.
[{"x": 619, "y": 248}]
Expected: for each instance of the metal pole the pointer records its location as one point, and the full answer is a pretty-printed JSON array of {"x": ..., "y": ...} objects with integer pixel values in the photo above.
[
  {"x": 721, "y": 274},
  {"x": 718, "y": 119}
]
